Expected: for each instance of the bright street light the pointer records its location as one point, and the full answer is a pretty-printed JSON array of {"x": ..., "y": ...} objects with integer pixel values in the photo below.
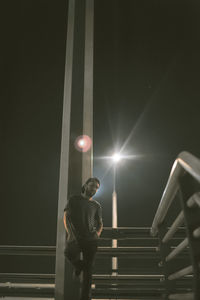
[{"x": 116, "y": 157}]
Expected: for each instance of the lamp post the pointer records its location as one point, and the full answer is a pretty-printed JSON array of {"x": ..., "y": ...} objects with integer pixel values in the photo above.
[{"x": 116, "y": 158}]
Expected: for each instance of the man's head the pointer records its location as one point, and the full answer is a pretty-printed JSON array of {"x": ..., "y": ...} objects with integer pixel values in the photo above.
[{"x": 90, "y": 187}]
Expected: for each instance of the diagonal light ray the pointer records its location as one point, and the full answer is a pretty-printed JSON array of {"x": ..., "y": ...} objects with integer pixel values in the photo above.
[
  {"x": 110, "y": 158},
  {"x": 151, "y": 100},
  {"x": 133, "y": 131},
  {"x": 106, "y": 172}
]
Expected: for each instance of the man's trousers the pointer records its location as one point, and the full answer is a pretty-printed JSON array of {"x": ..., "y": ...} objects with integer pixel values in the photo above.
[{"x": 72, "y": 252}]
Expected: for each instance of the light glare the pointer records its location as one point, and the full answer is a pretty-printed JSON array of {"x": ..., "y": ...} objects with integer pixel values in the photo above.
[
  {"x": 83, "y": 143},
  {"x": 116, "y": 157}
]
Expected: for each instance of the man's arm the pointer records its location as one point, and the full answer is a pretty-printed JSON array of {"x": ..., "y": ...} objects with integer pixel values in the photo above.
[{"x": 99, "y": 220}]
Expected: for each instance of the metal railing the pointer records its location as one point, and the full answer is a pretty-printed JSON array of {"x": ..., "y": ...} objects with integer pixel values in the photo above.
[
  {"x": 138, "y": 274},
  {"x": 181, "y": 261}
]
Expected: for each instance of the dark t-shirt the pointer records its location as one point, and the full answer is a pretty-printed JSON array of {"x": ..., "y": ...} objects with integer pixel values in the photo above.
[{"x": 85, "y": 215}]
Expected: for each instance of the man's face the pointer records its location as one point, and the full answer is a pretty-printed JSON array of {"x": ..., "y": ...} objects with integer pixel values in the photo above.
[{"x": 91, "y": 188}]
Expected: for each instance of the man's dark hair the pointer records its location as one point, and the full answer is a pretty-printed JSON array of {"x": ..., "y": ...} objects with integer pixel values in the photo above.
[{"x": 91, "y": 179}]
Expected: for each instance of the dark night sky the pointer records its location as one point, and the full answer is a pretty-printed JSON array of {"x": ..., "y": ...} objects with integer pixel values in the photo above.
[
  {"x": 148, "y": 55},
  {"x": 146, "y": 92}
]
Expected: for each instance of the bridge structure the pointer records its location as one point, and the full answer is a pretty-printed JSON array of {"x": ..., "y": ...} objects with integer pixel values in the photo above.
[
  {"x": 138, "y": 275},
  {"x": 161, "y": 262}
]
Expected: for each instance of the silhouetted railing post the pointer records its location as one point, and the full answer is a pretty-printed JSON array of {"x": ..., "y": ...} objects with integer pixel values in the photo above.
[
  {"x": 192, "y": 221},
  {"x": 164, "y": 249}
]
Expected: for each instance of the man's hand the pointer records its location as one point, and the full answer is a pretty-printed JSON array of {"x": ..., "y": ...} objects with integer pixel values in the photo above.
[{"x": 99, "y": 231}]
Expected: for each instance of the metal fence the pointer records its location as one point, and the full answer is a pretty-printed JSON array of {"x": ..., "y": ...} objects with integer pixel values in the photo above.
[
  {"x": 138, "y": 275},
  {"x": 180, "y": 262}
]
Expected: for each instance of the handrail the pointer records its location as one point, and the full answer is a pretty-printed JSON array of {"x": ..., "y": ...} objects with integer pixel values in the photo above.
[
  {"x": 27, "y": 285},
  {"x": 185, "y": 162},
  {"x": 190, "y": 216},
  {"x": 188, "y": 296},
  {"x": 28, "y": 250}
]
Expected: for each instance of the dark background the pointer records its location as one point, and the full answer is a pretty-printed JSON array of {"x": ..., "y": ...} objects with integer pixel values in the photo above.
[{"x": 146, "y": 102}]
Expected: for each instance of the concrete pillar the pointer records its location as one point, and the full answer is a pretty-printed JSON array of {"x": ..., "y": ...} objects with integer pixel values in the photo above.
[
  {"x": 75, "y": 166},
  {"x": 64, "y": 158}
]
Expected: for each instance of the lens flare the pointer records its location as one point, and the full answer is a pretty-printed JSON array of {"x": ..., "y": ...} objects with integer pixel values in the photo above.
[{"x": 83, "y": 143}]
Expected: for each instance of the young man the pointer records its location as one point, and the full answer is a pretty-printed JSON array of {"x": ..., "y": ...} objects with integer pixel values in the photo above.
[{"x": 83, "y": 224}]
